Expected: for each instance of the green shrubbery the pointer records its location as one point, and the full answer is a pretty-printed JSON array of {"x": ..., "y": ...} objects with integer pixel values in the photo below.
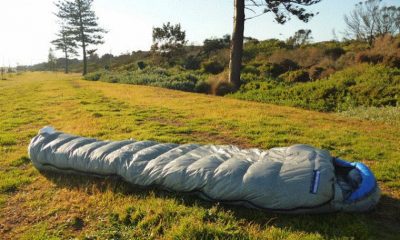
[
  {"x": 213, "y": 66},
  {"x": 158, "y": 77},
  {"x": 296, "y": 76},
  {"x": 93, "y": 76},
  {"x": 362, "y": 85}
]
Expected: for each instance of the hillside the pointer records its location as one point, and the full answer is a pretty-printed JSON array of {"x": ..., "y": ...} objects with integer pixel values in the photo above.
[{"x": 36, "y": 206}]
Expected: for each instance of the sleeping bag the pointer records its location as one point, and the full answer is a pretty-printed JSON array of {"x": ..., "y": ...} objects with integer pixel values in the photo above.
[{"x": 296, "y": 179}]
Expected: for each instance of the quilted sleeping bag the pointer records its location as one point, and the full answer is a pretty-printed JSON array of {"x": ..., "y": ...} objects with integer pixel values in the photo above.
[{"x": 296, "y": 179}]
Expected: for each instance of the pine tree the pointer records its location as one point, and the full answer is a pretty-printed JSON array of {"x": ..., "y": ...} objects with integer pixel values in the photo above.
[
  {"x": 81, "y": 21},
  {"x": 52, "y": 60},
  {"x": 169, "y": 41},
  {"x": 66, "y": 43}
]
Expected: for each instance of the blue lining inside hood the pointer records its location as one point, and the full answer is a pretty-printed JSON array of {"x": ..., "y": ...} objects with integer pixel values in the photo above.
[{"x": 368, "y": 183}]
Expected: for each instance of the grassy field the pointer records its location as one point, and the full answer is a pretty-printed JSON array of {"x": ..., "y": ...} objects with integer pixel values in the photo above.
[{"x": 36, "y": 206}]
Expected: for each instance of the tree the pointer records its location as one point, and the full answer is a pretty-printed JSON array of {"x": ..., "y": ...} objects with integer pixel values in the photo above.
[
  {"x": 93, "y": 56},
  {"x": 388, "y": 21},
  {"x": 65, "y": 42},
  {"x": 215, "y": 44},
  {"x": 282, "y": 10},
  {"x": 52, "y": 60},
  {"x": 169, "y": 41},
  {"x": 82, "y": 23},
  {"x": 2, "y": 70},
  {"x": 369, "y": 20},
  {"x": 300, "y": 38}
]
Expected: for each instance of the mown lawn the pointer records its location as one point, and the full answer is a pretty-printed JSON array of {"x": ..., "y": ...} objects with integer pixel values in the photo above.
[{"x": 36, "y": 206}]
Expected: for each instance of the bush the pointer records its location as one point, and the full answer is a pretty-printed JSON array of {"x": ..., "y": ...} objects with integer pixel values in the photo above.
[
  {"x": 315, "y": 72},
  {"x": 263, "y": 86},
  {"x": 288, "y": 65},
  {"x": 192, "y": 63},
  {"x": 251, "y": 69},
  {"x": 362, "y": 85},
  {"x": 272, "y": 70},
  {"x": 386, "y": 50},
  {"x": 173, "y": 78},
  {"x": 93, "y": 76},
  {"x": 224, "y": 88},
  {"x": 295, "y": 76},
  {"x": 202, "y": 87},
  {"x": 129, "y": 67},
  {"x": 366, "y": 57},
  {"x": 213, "y": 67},
  {"x": 252, "y": 49},
  {"x": 334, "y": 52},
  {"x": 249, "y": 77},
  {"x": 141, "y": 65}
]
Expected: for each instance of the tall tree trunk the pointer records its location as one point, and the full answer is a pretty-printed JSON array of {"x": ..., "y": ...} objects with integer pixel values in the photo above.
[
  {"x": 82, "y": 32},
  {"x": 84, "y": 58},
  {"x": 235, "y": 63},
  {"x": 66, "y": 62}
]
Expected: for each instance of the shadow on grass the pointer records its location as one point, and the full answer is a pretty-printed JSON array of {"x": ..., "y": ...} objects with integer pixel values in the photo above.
[{"x": 382, "y": 223}]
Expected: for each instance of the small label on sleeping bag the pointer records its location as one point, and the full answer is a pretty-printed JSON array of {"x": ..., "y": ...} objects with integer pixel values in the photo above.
[{"x": 315, "y": 181}]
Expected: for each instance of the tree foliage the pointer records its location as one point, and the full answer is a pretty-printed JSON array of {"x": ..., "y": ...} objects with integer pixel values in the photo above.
[
  {"x": 214, "y": 44},
  {"x": 370, "y": 19},
  {"x": 300, "y": 38},
  {"x": 283, "y": 9},
  {"x": 66, "y": 43},
  {"x": 168, "y": 40}
]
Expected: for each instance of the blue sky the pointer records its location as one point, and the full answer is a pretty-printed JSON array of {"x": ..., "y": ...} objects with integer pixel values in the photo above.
[{"x": 27, "y": 27}]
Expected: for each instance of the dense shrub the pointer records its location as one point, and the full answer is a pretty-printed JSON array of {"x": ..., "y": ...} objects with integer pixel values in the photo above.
[
  {"x": 363, "y": 85},
  {"x": 315, "y": 72},
  {"x": 249, "y": 77},
  {"x": 366, "y": 57},
  {"x": 272, "y": 70},
  {"x": 299, "y": 57},
  {"x": 213, "y": 66},
  {"x": 159, "y": 77},
  {"x": 386, "y": 50},
  {"x": 192, "y": 63},
  {"x": 141, "y": 65},
  {"x": 202, "y": 87},
  {"x": 129, "y": 67},
  {"x": 285, "y": 64},
  {"x": 334, "y": 52},
  {"x": 93, "y": 76},
  {"x": 250, "y": 69},
  {"x": 258, "y": 85},
  {"x": 296, "y": 76},
  {"x": 224, "y": 88},
  {"x": 252, "y": 49}
]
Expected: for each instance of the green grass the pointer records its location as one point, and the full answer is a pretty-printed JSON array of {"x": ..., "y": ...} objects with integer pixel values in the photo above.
[
  {"x": 389, "y": 115},
  {"x": 49, "y": 206}
]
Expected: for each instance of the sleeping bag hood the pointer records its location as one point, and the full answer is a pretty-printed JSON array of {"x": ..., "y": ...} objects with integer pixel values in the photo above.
[{"x": 296, "y": 179}]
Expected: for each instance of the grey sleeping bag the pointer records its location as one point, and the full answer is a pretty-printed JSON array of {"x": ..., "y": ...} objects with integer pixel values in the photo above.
[{"x": 299, "y": 178}]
